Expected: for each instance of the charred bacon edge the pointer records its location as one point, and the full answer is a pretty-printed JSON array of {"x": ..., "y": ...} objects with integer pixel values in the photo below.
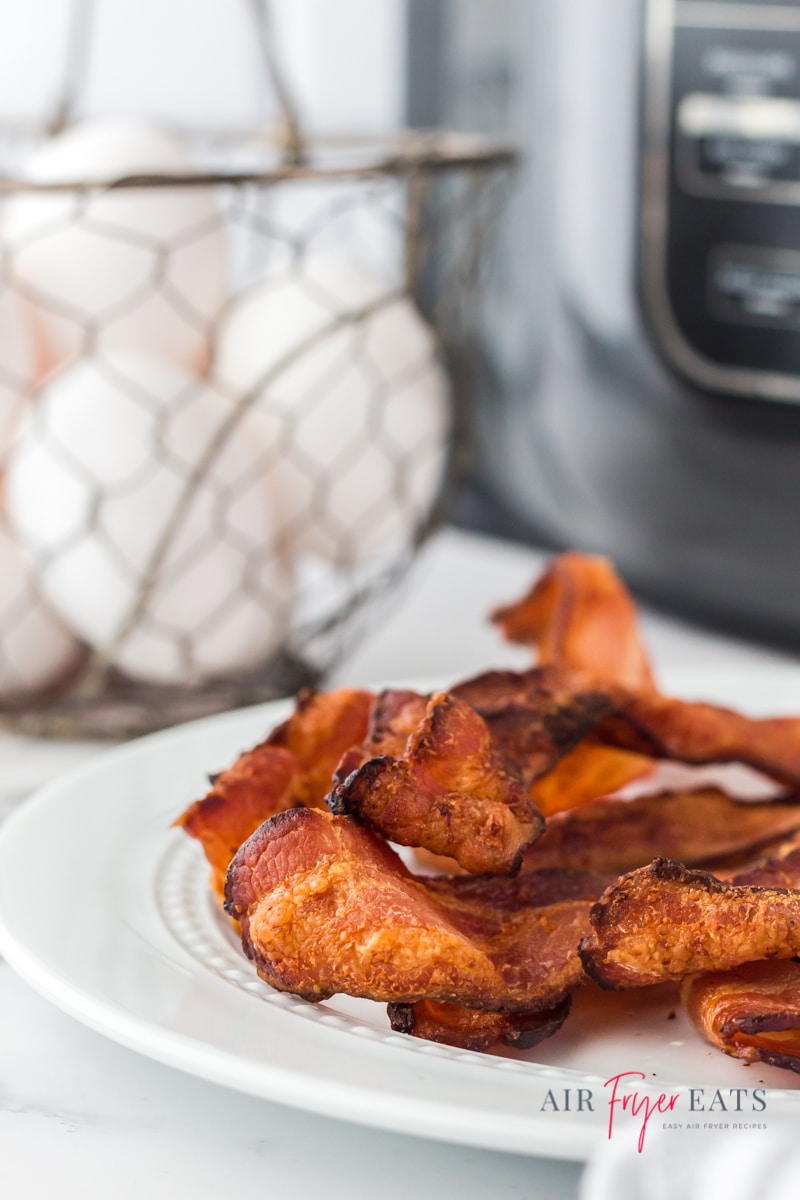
[{"x": 522, "y": 1030}]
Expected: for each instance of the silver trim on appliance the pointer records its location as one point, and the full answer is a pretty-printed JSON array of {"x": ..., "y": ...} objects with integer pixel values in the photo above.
[{"x": 659, "y": 37}]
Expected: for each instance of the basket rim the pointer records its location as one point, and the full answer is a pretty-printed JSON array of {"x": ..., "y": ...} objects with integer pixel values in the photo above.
[{"x": 400, "y": 153}]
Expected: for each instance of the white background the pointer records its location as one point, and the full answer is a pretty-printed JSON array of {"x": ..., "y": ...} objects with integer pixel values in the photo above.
[{"x": 197, "y": 60}]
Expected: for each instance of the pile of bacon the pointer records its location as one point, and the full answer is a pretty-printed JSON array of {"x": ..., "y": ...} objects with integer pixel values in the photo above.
[{"x": 548, "y": 882}]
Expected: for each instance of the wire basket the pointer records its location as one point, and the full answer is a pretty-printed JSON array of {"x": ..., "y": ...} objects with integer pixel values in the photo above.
[{"x": 232, "y": 406}]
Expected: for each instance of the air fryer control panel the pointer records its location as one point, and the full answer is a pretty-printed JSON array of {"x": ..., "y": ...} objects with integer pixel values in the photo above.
[{"x": 720, "y": 218}]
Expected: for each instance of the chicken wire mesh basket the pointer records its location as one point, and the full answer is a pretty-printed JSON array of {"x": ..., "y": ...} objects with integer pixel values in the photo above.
[{"x": 232, "y": 405}]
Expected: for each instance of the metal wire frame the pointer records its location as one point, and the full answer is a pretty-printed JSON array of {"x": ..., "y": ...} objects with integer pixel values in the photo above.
[{"x": 444, "y": 197}]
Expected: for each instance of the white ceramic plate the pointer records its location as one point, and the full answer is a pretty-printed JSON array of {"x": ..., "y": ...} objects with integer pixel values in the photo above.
[{"x": 104, "y": 909}]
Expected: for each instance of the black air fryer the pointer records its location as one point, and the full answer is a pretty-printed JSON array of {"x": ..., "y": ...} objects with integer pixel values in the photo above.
[{"x": 641, "y": 389}]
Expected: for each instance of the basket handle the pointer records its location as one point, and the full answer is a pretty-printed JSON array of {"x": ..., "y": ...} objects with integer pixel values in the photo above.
[
  {"x": 79, "y": 40},
  {"x": 292, "y": 138}
]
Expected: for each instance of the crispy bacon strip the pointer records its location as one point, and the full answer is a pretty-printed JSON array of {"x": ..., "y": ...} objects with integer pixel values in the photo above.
[
  {"x": 587, "y": 773},
  {"x": 580, "y": 615},
  {"x": 704, "y": 733},
  {"x": 325, "y": 906},
  {"x": 692, "y": 827},
  {"x": 452, "y": 792},
  {"x": 393, "y": 719},
  {"x": 537, "y": 716},
  {"x": 665, "y": 922},
  {"x": 780, "y": 869},
  {"x": 470, "y": 1029},
  {"x": 322, "y": 727},
  {"x": 504, "y": 894},
  {"x": 581, "y": 619},
  {"x": 293, "y": 766},
  {"x": 752, "y": 1012}
]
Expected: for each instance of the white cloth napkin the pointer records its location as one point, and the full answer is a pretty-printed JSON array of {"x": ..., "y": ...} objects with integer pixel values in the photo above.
[{"x": 757, "y": 1164}]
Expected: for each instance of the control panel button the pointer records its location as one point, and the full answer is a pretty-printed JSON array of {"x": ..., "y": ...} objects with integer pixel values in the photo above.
[
  {"x": 754, "y": 285},
  {"x": 729, "y": 143}
]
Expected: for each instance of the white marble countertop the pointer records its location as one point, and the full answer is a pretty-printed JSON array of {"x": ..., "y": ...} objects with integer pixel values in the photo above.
[{"x": 83, "y": 1117}]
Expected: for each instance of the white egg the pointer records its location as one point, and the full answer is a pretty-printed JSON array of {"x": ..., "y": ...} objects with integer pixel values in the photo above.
[
  {"x": 17, "y": 367},
  {"x": 93, "y": 484},
  {"x": 36, "y": 649},
  {"x": 138, "y": 268},
  {"x": 357, "y": 410}
]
